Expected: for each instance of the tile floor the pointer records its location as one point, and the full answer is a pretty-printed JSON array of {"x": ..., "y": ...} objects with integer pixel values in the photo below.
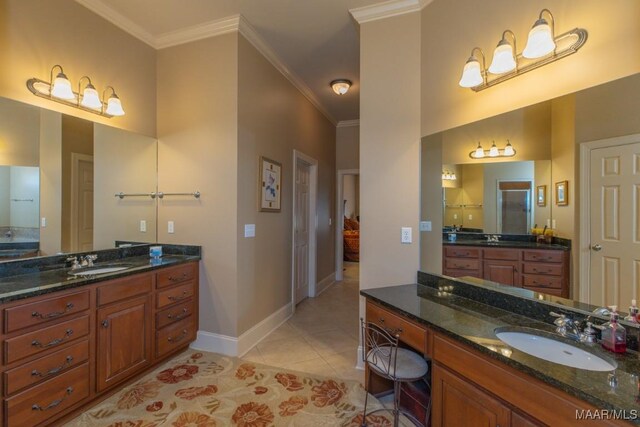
[{"x": 321, "y": 337}]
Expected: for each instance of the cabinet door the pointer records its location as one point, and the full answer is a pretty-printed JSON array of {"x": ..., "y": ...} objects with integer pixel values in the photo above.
[
  {"x": 503, "y": 272},
  {"x": 124, "y": 340},
  {"x": 458, "y": 403}
]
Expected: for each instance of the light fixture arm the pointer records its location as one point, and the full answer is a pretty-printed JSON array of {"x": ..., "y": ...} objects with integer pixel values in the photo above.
[
  {"x": 483, "y": 71},
  {"x": 513, "y": 45},
  {"x": 552, "y": 24},
  {"x": 80, "y": 83},
  {"x": 53, "y": 68},
  {"x": 113, "y": 92}
]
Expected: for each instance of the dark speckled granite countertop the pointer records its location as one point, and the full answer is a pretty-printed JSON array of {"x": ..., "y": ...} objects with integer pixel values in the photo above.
[
  {"x": 473, "y": 323},
  {"x": 507, "y": 244},
  {"x": 39, "y": 276}
]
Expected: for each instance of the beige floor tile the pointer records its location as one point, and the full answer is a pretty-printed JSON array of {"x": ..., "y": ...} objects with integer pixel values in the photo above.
[
  {"x": 332, "y": 342},
  {"x": 253, "y": 355},
  {"x": 351, "y": 374},
  {"x": 285, "y": 331},
  {"x": 315, "y": 366},
  {"x": 344, "y": 360},
  {"x": 291, "y": 350}
]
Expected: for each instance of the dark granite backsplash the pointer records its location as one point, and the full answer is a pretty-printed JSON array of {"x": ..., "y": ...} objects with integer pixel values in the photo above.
[{"x": 462, "y": 237}]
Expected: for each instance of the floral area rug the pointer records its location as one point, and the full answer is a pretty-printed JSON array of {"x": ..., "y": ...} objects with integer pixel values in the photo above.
[{"x": 198, "y": 389}]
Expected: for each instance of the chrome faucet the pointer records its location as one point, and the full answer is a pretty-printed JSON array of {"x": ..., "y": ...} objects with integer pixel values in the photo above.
[
  {"x": 492, "y": 238},
  {"x": 8, "y": 234},
  {"x": 87, "y": 260},
  {"x": 75, "y": 264},
  {"x": 568, "y": 328}
]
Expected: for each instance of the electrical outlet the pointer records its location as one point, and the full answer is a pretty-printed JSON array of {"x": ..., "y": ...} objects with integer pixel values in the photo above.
[
  {"x": 470, "y": 217},
  {"x": 425, "y": 225},
  {"x": 406, "y": 235},
  {"x": 170, "y": 227},
  {"x": 553, "y": 224},
  {"x": 143, "y": 226}
]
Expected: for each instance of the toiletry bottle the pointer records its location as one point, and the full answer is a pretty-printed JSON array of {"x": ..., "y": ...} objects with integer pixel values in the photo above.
[
  {"x": 633, "y": 313},
  {"x": 614, "y": 336}
]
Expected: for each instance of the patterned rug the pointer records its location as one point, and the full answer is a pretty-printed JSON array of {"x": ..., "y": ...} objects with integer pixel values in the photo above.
[{"x": 199, "y": 389}]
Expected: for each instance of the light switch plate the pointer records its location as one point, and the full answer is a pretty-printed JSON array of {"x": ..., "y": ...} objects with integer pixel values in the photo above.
[
  {"x": 249, "y": 230},
  {"x": 170, "y": 227},
  {"x": 43, "y": 222},
  {"x": 143, "y": 226},
  {"x": 425, "y": 225},
  {"x": 405, "y": 235},
  {"x": 553, "y": 224}
]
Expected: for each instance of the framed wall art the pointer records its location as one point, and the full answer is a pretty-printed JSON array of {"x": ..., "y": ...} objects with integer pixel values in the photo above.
[
  {"x": 270, "y": 182},
  {"x": 562, "y": 193},
  {"x": 541, "y": 195}
]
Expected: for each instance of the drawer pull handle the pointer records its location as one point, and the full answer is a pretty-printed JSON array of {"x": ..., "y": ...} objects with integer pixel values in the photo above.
[
  {"x": 68, "y": 361},
  {"x": 178, "y": 298},
  {"x": 53, "y": 404},
  {"x": 179, "y": 337},
  {"x": 57, "y": 341},
  {"x": 179, "y": 278},
  {"x": 105, "y": 323},
  {"x": 54, "y": 314},
  {"x": 179, "y": 315}
]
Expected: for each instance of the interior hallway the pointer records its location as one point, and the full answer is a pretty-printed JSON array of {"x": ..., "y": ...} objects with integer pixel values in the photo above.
[{"x": 322, "y": 336}]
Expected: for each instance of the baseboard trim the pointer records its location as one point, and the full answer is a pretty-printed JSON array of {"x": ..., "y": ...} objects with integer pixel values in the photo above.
[
  {"x": 325, "y": 283},
  {"x": 216, "y": 343},
  {"x": 359, "y": 360},
  {"x": 257, "y": 333}
]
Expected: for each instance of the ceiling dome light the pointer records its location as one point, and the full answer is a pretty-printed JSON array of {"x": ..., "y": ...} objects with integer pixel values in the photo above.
[
  {"x": 541, "y": 40},
  {"x": 504, "y": 59},
  {"x": 493, "y": 151},
  {"x": 341, "y": 86},
  {"x": 61, "y": 87}
]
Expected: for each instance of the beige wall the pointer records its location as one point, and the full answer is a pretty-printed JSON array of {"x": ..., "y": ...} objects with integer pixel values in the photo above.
[
  {"x": 431, "y": 203},
  {"x": 124, "y": 162},
  {"x": 50, "y": 181},
  {"x": 19, "y": 134},
  {"x": 389, "y": 149},
  {"x": 563, "y": 164},
  {"x": 198, "y": 150},
  {"x": 36, "y": 34},
  {"x": 348, "y": 147},
  {"x": 542, "y": 214},
  {"x": 274, "y": 118}
]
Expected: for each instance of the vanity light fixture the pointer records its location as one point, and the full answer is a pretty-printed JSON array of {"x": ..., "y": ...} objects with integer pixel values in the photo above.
[
  {"x": 542, "y": 48},
  {"x": 448, "y": 176},
  {"x": 59, "y": 89},
  {"x": 493, "y": 152},
  {"x": 340, "y": 86}
]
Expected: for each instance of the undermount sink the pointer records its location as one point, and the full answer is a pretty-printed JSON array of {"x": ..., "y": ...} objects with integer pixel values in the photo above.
[
  {"x": 92, "y": 271},
  {"x": 545, "y": 346}
]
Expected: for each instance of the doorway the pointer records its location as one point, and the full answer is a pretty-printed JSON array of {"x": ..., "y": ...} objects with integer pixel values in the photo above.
[
  {"x": 610, "y": 228},
  {"x": 81, "y": 225},
  {"x": 347, "y": 231},
  {"x": 514, "y": 207},
  {"x": 305, "y": 178}
]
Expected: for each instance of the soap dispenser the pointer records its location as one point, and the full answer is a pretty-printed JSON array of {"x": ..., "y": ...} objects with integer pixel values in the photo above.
[
  {"x": 614, "y": 336},
  {"x": 633, "y": 312}
]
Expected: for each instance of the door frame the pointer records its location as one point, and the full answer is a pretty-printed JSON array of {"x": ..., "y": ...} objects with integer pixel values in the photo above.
[
  {"x": 76, "y": 158},
  {"x": 584, "y": 247},
  {"x": 340, "y": 218},
  {"x": 298, "y": 156}
]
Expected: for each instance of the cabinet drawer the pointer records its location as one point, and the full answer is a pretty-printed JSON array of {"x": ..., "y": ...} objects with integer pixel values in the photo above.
[
  {"x": 26, "y": 315},
  {"x": 462, "y": 264},
  {"x": 461, "y": 252},
  {"x": 501, "y": 254},
  {"x": 44, "y": 339},
  {"x": 410, "y": 333},
  {"x": 42, "y": 403},
  {"x": 542, "y": 281},
  {"x": 550, "y": 291},
  {"x": 174, "y": 275},
  {"x": 540, "y": 268},
  {"x": 461, "y": 273},
  {"x": 45, "y": 367},
  {"x": 543, "y": 256},
  {"x": 120, "y": 289},
  {"x": 174, "y": 314},
  {"x": 175, "y": 336},
  {"x": 174, "y": 295}
]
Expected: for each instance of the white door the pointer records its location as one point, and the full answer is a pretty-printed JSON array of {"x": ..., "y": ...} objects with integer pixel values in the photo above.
[
  {"x": 615, "y": 225},
  {"x": 301, "y": 231}
]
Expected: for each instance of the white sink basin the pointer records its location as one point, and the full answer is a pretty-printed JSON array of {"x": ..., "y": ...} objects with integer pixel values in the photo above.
[
  {"x": 99, "y": 270},
  {"x": 539, "y": 345}
]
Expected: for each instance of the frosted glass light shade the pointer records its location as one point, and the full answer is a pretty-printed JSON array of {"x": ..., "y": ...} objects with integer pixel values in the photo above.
[
  {"x": 493, "y": 151},
  {"x": 540, "y": 41},
  {"x": 62, "y": 88},
  {"x": 479, "y": 153},
  {"x": 340, "y": 87},
  {"x": 471, "y": 74},
  {"x": 114, "y": 106},
  {"x": 508, "y": 150},
  {"x": 90, "y": 98},
  {"x": 503, "y": 59}
]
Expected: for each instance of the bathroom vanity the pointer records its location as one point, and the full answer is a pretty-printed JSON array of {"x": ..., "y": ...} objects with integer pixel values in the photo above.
[
  {"x": 69, "y": 339},
  {"x": 479, "y": 380}
]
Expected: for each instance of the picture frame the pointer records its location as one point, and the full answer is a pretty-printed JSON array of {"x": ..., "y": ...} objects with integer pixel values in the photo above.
[
  {"x": 269, "y": 185},
  {"x": 541, "y": 195},
  {"x": 562, "y": 193}
]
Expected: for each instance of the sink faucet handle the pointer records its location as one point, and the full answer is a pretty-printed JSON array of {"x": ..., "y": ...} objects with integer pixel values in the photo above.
[
  {"x": 589, "y": 334},
  {"x": 75, "y": 264}
]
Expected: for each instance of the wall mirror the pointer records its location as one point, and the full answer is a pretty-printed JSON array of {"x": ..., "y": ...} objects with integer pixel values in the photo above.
[{"x": 59, "y": 177}]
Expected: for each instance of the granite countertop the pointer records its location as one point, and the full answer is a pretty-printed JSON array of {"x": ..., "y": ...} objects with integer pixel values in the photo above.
[
  {"x": 506, "y": 244},
  {"x": 473, "y": 323},
  {"x": 54, "y": 279}
]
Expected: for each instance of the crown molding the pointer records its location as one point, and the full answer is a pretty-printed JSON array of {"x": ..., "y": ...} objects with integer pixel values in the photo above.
[
  {"x": 387, "y": 9},
  {"x": 101, "y": 9},
  {"x": 348, "y": 123},
  {"x": 198, "y": 32},
  {"x": 247, "y": 30}
]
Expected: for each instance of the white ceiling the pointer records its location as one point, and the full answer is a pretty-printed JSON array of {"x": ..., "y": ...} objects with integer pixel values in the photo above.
[{"x": 316, "y": 40}]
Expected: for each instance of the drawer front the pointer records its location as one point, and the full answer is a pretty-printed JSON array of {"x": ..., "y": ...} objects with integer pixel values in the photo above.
[
  {"x": 174, "y": 314},
  {"x": 42, "y": 403},
  {"x": 461, "y": 273},
  {"x": 26, "y": 315},
  {"x": 175, "y": 295},
  {"x": 540, "y": 268},
  {"x": 126, "y": 288},
  {"x": 175, "y": 336},
  {"x": 410, "y": 333},
  {"x": 540, "y": 281},
  {"x": 543, "y": 256},
  {"x": 549, "y": 291},
  {"x": 462, "y": 264},
  {"x": 46, "y": 367},
  {"x": 45, "y": 339},
  {"x": 461, "y": 252},
  {"x": 501, "y": 254},
  {"x": 175, "y": 275}
]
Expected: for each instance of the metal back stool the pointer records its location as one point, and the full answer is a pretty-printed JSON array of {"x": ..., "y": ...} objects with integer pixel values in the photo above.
[{"x": 383, "y": 356}]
